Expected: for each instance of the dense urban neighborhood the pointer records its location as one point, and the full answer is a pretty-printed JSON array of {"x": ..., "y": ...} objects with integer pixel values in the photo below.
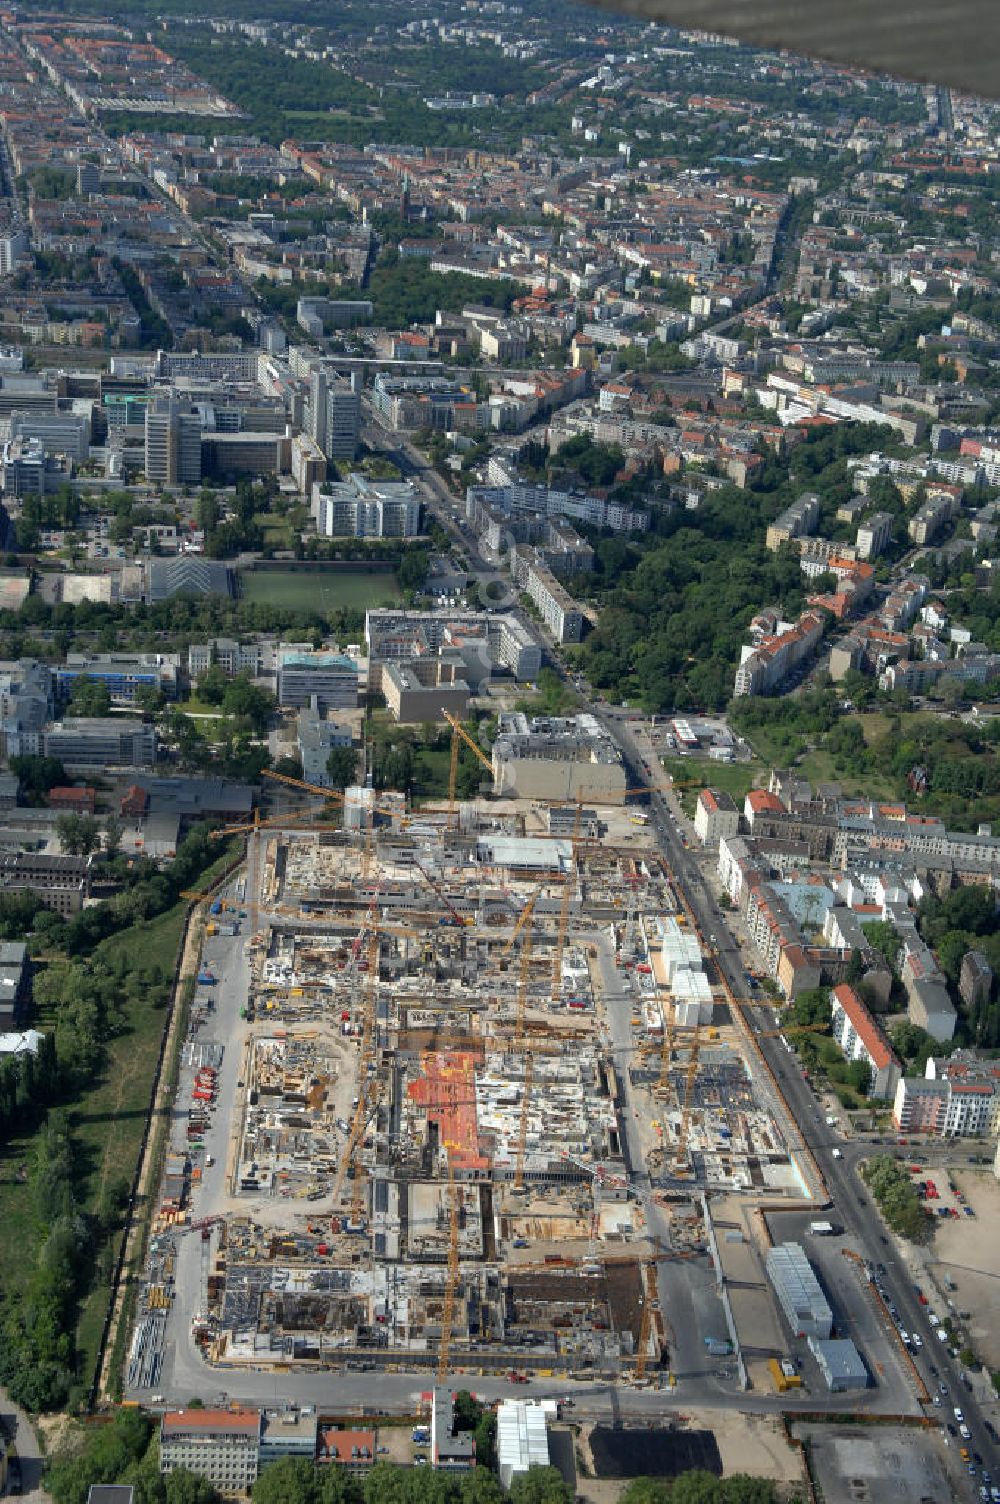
[{"x": 499, "y": 794}]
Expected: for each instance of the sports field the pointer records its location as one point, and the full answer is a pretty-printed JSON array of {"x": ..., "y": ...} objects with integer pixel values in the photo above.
[{"x": 320, "y": 590}]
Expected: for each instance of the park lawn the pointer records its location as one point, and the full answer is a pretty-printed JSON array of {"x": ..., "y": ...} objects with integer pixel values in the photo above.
[
  {"x": 735, "y": 778},
  {"x": 277, "y": 530},
  {"x": 321, "y": 590}
]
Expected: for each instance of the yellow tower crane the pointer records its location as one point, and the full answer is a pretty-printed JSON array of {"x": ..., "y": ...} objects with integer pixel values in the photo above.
[
  {"x": 563, "y": 930},
  {"x": 459, "y": 733}
]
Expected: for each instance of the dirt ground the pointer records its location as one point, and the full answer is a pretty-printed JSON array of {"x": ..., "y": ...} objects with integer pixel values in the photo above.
[
  {"x": 752, "y": 1444},
  {"x": 967, "y": 1253}
]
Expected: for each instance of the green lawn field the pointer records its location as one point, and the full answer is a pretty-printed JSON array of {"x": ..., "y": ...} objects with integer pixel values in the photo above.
[{"x": 322, "y": 590}]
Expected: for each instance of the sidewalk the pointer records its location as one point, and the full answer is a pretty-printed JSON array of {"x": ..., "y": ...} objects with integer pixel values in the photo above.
[{"x": 27, "y": 1450}]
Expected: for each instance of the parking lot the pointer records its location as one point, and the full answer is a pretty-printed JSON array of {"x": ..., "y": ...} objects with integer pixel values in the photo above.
[{"x": 967, "y": 1254}]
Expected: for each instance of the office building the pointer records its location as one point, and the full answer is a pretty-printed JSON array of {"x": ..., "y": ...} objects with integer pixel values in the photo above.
[
  {"x": 24, "y": 468},
  {"x": 122, "y": 674},
  {"x": 797, "y": 1289},
  {"x": 392, "y": 634},
  {"x": 226, "y": 653},
  {"x": 363, "y": 508},
  {"x": 173, "y": 443},
  {"x": 557, "y": 757},
  {"x": 220, "y": 1445},
  {"x": 15, "y": 981},
  {"x": 424, "y": 688},
  {"x": 334, "y": 414},
  {"x": 452, "y": 1450},
  {"x": 101, "y": 742},
  {"x": 325, "y": 680},
  {"x": 57, "y": 432},
  {"x": 317, "y": 737},
  {"x": 61, "y": 882}
]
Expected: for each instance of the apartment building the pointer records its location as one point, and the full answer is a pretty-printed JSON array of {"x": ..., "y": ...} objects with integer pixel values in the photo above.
[
  {"x": 716, "y": 817},
  {"x": 874, "y": 535},
  {"x": 220, "y": 1445},
  {"x": 363, "y": 508},
  {"x": 957, "y": 1097},
  {"x": 860, "y": 1038},
  {"x": 559, "y": 611},
  {"x": 796, "y": 521},
  {"x": 776, "y": 648}
]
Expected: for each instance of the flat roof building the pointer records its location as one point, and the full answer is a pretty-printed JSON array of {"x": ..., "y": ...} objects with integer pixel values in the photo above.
[
  {"x": 449, "y": 1449},
  {"x": 522, "y": 1439},
  {"x": 557, "y": 757},
  {"x": 840, "y": 1363},
  {"x": 798, "y": 1292}
]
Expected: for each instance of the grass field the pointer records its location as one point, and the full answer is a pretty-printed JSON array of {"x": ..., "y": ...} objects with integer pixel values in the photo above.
[
  {"x": 702, "y": 772},
  {"x": 321, "y": 590},
  {"x": 107, "y": 1128}
]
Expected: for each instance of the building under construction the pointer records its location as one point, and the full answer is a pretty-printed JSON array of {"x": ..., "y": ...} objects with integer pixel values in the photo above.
[{"x": 475, "y": 1115}]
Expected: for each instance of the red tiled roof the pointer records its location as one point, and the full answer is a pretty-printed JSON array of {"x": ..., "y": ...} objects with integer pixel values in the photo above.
[
  {"x": 864, "y": 1026},
  {"x": 247, "y": 1421}
]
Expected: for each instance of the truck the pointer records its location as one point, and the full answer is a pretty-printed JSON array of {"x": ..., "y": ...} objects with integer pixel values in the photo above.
[
  {"x": 206, "y": 979},
  {"x": 821, "y": 1229}
]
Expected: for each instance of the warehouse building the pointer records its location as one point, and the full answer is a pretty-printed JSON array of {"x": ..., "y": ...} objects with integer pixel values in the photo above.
[
  {"x": 522, "y": 1440},
  {"x": 840, "y": 1363},
  {"x": 797, "y": 1289}
]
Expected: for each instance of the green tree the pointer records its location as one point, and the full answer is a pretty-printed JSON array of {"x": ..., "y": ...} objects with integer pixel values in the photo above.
[
  {"x": 212, "y": 685},
  {"x": 247, "y": 700},
  {"x": 342, "y": 766},
  {"x": 292, "y": 1480},
  {"x": 90, "y": 697},
  {"x": 79, "y": 835},
  {"x": 540, "y": 1485}
]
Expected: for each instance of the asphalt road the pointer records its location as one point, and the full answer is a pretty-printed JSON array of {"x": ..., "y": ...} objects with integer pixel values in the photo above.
[{"x": 849, "y": 1204}]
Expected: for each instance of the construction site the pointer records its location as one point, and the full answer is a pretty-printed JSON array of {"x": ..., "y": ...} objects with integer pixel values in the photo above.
[{"x": 487, "y": 1086}]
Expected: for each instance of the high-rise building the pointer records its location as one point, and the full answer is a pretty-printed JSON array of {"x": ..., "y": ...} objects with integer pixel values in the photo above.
[
  {"x": 335, "y": 414},
  {"x": 173, "y": 443}
]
